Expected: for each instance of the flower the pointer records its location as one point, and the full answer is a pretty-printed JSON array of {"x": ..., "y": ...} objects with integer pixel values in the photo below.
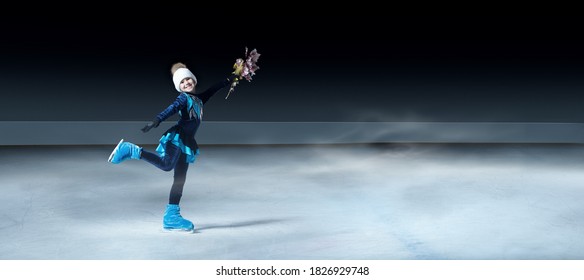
[{"x": 244, "y": 68}]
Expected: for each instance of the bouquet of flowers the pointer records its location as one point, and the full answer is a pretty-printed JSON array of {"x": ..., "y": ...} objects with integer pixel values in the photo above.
[{"x": 244, "y": 68}]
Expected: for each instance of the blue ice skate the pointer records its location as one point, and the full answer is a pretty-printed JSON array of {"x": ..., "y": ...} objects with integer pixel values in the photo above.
[
  {"x": 124, "y": 151},
  {"x": 173, "y": 221}
]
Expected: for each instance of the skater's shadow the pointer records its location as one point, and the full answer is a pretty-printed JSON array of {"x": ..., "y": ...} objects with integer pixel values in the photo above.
[{"x": 240, "y": 224}]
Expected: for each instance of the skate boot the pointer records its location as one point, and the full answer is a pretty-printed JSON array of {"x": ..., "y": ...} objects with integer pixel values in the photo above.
[
  {"x": 173, "y": 221},
  {"x": 124, "y": 151}
]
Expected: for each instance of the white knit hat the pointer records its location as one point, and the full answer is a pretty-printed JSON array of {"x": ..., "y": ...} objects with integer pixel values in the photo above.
[{"x": 179, "y": 75}]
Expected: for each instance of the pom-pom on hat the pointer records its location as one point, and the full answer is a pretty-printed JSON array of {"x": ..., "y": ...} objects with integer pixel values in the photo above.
[{"x": 180, "y": 74}]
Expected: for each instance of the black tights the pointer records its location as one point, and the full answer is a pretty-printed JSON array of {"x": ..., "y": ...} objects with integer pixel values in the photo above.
[{"x": 173, "y": 159}]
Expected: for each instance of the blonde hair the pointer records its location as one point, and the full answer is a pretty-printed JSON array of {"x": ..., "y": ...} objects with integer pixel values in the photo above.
[{"x": 177, "y": 66}]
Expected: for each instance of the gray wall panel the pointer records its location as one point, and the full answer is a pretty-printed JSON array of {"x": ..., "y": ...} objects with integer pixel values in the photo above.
[{"x": 232, "y": 133}]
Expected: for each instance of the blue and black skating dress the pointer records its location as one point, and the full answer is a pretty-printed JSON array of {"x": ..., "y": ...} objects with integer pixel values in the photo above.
[{"x": 190, "y": 109}]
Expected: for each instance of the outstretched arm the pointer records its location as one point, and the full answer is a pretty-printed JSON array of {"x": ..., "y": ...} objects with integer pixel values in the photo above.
[
  {"x": 180, "y": 102},
  {"x": 207, "y": 94}
]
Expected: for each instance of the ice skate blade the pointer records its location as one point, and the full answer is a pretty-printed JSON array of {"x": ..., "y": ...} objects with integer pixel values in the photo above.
[
  {"x": 181, "y": 231},
  {"x": 114, "y": 151}
]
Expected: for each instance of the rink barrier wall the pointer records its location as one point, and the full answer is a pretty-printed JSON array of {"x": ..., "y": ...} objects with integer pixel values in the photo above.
[{"x": 265, "y": 133}]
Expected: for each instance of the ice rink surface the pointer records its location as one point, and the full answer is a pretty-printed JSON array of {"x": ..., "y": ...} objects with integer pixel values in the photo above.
[{"x": 333, "y": 202}]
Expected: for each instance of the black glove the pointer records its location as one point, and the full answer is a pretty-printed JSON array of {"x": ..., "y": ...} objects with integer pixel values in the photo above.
[
  {"x": 150, "y": 125},
  {"x": 232, "y": 78}
]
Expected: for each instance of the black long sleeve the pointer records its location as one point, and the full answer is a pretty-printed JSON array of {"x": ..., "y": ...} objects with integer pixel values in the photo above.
[{"x": 207, "y": 94}]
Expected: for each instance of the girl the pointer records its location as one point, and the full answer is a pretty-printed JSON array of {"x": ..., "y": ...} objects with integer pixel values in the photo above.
[{"x": 177, "y": 147}]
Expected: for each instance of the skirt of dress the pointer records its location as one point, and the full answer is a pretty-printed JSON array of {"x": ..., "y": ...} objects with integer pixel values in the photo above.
[{"x": 186, "y": 143}]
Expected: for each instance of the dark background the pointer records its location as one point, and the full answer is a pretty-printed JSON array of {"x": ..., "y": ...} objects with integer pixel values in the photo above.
[{"x": 312, "y": 68}]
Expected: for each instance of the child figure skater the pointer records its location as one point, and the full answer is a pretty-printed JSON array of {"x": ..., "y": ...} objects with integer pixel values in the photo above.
[{"x": 177, "y": 147}]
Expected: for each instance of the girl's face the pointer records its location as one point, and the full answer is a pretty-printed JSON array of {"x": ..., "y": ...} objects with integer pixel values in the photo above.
[{"x": 187, "y": 85}]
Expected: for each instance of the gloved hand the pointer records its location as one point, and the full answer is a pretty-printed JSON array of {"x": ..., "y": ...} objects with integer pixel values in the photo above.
[
  {"x": 150, "y": 125},
  {"x": 233, "y": 78}
]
